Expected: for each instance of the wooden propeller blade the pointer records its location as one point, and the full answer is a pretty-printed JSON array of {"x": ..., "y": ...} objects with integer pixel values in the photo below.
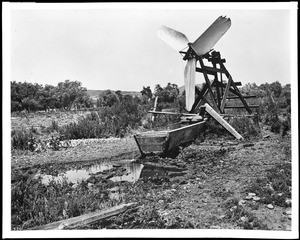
[
  {"x": 211, "y": 36},
  {"x": 173, "y": 38},
  {"x": 189, "y": 82}
]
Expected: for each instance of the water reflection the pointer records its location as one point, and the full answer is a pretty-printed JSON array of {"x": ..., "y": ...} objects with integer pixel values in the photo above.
[{"x": 132, "y": 173}]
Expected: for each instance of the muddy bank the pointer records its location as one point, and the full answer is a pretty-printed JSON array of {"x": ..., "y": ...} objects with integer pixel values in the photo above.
[{"x": 84, "y": 150}]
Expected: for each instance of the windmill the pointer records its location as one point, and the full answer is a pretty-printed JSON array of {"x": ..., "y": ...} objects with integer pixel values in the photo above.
[{"x": 196, "y": 52}]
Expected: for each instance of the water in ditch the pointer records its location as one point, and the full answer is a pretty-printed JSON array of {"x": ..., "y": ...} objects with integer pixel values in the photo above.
[{"x": 131, "y": 173}]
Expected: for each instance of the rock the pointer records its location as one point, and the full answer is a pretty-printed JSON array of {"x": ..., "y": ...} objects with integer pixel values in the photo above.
[
  {"x": 252, "y": 194},
  {"x": 288, "y": 202},
  {"x": 270, "y": 206},
  {"x": 241, "y": 202},
  {"x": 248, "y": 197},
  {"x": 244, "y": 219},
  {"x": 256, "y": 198},
  {"x": 288, "y": 212}
]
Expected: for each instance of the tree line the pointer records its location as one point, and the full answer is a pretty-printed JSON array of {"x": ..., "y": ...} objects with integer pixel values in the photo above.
[{"x": 35, "y": 97}]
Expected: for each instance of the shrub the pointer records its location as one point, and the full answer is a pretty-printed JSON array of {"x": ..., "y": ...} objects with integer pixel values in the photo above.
[
  {"x": 115, "y": 121},
  {"x": 34, "y": 203},
  {"x": 22, "y": 140},
  {"x": 245, "y": 126}
]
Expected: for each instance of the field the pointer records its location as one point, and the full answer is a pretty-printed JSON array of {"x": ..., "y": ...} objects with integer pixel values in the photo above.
[{"x": 215, "y": 183}]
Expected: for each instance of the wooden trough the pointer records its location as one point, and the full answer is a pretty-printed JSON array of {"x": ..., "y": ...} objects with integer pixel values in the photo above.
[{"x": 164, "y": 140}]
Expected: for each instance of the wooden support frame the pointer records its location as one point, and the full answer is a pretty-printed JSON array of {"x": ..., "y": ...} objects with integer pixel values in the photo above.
[{"x": 218, "y": 90}]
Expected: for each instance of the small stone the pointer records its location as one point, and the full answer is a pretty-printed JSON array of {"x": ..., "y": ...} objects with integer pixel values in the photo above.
[
  {"x": 243, "y": 219},
  {"x": 288, "y": 202},
  {"x": 256, "y": 198},
  {"x": 289, "y": 217},
  {"x": 288, "y": 212},
  {"x": 270, "y": 206},
  {"x": 252, "y": 194},
  {"x": 173, "y": 190},
  {"x": 161, "y": 201},
  {"x": 241, "y": 202},
  {"x": 248, "y": 197}
]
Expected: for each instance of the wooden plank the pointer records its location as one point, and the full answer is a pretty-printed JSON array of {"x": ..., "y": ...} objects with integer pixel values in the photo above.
[
  {"x": 200, "y": 95},
  {"x": 209, "y": 88},
  {"x": 217, "y": 86},
  {"x": 244, "y": 96},
  {"x": 185, "y": 134},
  {"x": 250, "y": 106},
  {"x": 166, "y": 113},
  {"x": 88, "y": 218},
  {"x": 219, "y": 119},
  {"x": 210, "y": 70},
  {"x": 225, "y": 96}
]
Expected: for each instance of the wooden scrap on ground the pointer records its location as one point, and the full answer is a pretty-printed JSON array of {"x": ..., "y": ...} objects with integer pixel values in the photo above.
[
  {"x": 225, "y": 124},
  {"x": 87, "y": 218}
]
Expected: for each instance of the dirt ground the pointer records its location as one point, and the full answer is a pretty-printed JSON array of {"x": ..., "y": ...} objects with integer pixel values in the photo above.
[{"x": 206, "y": 186}]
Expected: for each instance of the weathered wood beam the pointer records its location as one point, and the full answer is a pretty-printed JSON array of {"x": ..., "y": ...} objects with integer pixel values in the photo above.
[
  {"x": 209, "y": 86},
  {"x": 225, "y": 96},
  {"x": 219, "y": 119},
  {"x": 244, "y": 96},
  {"x": 250, "y": 106},
  {"x": 88, "y": 218},
  {"x": 217, "y": 86},
  {"x": 200, "y": 95},
  {"x": 210, "y": 70}
]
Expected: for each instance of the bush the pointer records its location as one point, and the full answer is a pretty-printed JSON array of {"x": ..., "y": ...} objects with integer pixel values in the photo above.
[
  {"x": 116, "y": 121},
  {"x": 22, "y": 140},
  {"x": 34, "y": 203},
  {"x": 245, "y": 126}
]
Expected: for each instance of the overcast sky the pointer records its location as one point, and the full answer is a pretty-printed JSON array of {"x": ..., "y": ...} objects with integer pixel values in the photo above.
[{"x": 117, "y": 48}]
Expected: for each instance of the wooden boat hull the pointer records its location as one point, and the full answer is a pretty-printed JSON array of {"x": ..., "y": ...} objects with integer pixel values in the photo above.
[{"x": 164, "y": 140}]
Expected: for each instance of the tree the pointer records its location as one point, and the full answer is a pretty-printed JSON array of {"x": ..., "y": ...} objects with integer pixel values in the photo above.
[
  {"x": 167, "y": 94},
  {"x": 274, "y": 87},
  {"x": 107, "y": 99},
  {"x": 70, "y": 92},
  {"x": 147, "y": 92}
]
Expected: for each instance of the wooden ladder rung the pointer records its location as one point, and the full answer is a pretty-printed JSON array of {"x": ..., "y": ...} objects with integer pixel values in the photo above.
[
  {"x": 250, "y": 106},
  {"x": 246, "y": 96}
]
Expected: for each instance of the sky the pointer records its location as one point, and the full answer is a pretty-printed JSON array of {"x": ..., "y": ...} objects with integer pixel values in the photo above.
[{"x": 117, "y": 47}]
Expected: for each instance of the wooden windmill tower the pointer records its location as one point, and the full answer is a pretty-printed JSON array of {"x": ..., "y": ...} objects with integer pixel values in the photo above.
[{"x": 223, "y": 87}]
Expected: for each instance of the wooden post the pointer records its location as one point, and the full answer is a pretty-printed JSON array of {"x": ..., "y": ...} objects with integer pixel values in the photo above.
[
  {"x": 218, "y": 118},
  {"x": 225, "y": 96},
  {"x": 208, "y": 85}
]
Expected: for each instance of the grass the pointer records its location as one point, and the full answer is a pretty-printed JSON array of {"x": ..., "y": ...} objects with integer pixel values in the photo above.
[
  {"x": 243, "y": 218},
  {"x": 275, "y": 187},
  {"x": 34, "y": 203}
]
